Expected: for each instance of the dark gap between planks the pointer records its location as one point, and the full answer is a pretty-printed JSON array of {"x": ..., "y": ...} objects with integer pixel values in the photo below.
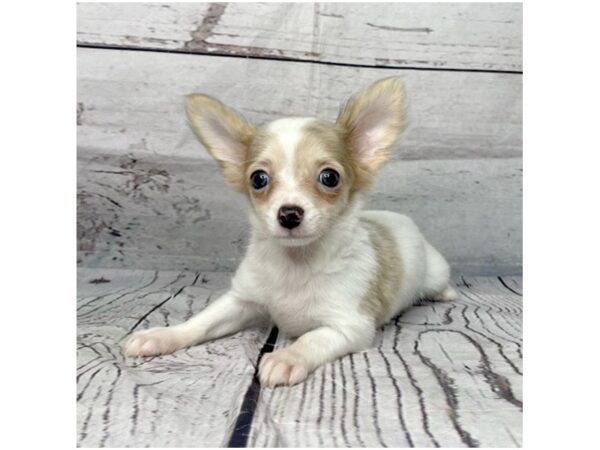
[
  {"x": 290, "y": 59},
  {"x": 243, "y": 422}
]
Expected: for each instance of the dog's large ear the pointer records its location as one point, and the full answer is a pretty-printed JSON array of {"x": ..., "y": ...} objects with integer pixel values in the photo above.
[
  {"x": 224, "y": 132},
  {"x": 373, "y": 120}
]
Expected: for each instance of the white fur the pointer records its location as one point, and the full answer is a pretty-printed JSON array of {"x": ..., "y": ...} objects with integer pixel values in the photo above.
[
  {"x": 310, "y": 281},
  {"x": 316, "y": 296}
]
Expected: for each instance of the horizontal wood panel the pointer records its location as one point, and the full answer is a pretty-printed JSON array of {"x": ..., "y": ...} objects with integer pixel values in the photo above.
[
  {"x": 159, "y": 213},
  {"x": 133, "y": 101},
  {"x": 472, "y": 36},
  {"x": 181, "y": 400}
]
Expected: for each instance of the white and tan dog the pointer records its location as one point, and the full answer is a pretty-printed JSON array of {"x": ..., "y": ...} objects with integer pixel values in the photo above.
[{"x": 316, "y": 264}]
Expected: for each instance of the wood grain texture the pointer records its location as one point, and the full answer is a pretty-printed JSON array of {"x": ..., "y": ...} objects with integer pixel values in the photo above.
[
  {"x": 190, "y": 398},
  {"x": 468, "y": 36},
  {"x": 441, "y": 375},
  {"x": 177, "y": 213},
  {"x": 133, "y": 101},
  {"x": 143, "y": 173},
  {"x": 149, "y": 197}
]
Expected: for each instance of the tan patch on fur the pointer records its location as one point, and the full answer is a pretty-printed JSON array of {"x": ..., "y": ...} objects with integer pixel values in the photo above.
[
  {"x": 264, "y": 153},
  {"x": 322, "y": 147},
  {"x": 385, "y": 286}
]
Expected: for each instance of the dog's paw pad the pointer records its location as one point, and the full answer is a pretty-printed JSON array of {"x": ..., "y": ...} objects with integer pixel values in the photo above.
[
  {"x": 152, "y": 342},
  {"x": 281, "y": 368}
]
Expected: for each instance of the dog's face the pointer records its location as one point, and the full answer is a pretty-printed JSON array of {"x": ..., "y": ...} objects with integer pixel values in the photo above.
[
  {"x": 302, "y": 174},
  {"x": 299, "y": 178}
]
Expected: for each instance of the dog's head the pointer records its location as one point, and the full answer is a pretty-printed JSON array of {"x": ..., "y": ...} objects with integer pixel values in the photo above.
[{"x": 302, "y": 174}]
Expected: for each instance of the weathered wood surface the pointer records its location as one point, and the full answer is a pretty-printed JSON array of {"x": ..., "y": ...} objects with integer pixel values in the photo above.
[
  {"x": 143, "y": 173},
  {"x": 149, "y": 197},
  {"x": 470, "y": 36},
  {"x": 187, "y": 399},
  {"x": 133, "y": 101},
  {"x": 149, "y": 212},
  {"x": 442, "y": 374}
]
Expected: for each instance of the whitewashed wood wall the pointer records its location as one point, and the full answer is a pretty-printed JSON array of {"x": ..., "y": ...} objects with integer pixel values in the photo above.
[{"x": 149, "y": 197}]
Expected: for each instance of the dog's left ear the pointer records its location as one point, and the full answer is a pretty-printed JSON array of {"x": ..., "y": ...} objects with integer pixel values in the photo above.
[
  {"x": 373, "y": 120},
  {"x": 225, "y": 133}
]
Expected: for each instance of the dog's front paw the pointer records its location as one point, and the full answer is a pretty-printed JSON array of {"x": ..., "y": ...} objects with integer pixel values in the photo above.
[
  {"x": 155, "y": 341},
  {"x": 282, "y": 367}
]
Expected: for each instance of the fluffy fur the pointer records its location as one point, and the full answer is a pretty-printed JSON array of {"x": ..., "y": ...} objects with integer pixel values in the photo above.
[{"x": 341, "y": 272}]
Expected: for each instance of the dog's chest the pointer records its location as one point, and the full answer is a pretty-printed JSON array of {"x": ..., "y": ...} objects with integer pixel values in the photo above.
[
  {"x": 300, "y": 300},
  {"x": 301, "y": 294}
]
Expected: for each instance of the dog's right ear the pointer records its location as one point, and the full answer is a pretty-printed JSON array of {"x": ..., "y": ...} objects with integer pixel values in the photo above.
[{"x": 224, "y": 132}]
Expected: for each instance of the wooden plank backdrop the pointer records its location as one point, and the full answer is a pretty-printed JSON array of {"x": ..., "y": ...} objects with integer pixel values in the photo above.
[
  {"x": 177, "y": 213},
  {"x": 133, "y": 101},
  {"x": 461, "y": 151},
  {"x": 452, "y": 35},
  {"x": 159, "y": 232}
]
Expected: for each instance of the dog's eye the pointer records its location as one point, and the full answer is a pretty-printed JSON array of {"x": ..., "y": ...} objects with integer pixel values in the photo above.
[
  {"x": 329, "y": 178},
  {"x": 259, "y": 179}
]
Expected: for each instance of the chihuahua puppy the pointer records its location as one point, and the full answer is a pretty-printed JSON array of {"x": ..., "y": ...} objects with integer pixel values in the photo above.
[{"x": 320, "y": 267}]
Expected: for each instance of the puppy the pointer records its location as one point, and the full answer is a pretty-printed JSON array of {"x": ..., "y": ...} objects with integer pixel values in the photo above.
[{"x": 321, "y": 268}]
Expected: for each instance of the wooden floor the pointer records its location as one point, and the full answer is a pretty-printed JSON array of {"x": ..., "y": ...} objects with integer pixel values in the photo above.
[{"x": 442, "y": 374}]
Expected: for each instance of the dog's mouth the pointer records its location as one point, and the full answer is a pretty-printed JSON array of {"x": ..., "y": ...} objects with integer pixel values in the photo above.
[{"x": 294, "y": 238}]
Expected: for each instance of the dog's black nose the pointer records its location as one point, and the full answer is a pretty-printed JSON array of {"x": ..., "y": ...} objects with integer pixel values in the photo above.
[{"x": 290, "y": 216}]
